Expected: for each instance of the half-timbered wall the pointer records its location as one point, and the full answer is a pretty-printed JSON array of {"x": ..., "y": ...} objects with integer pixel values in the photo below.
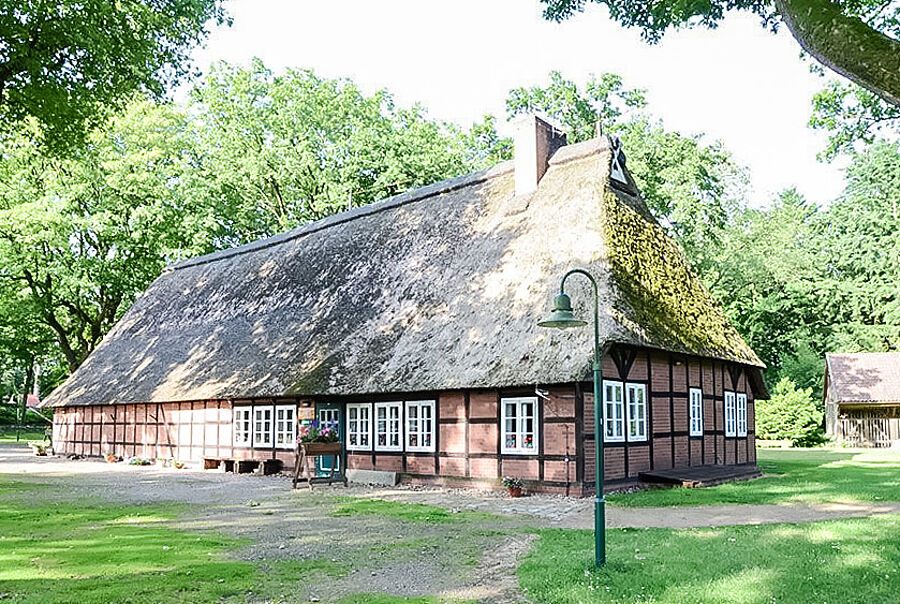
[{"x": 467, "y": 429}]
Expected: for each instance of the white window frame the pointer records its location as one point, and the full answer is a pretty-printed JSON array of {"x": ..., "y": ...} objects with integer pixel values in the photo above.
[
  {"x": 285, "y": 429},
  {"x": 730, "y": 421},
  {"x": 741, "y": 414},
  {"x": 520, "y": 431},
  {"x": 353, "y": 426},
  {"x": 242, "y": 436},
  {"x": 268, "y": 425},
  {"x": 334, "y": 424},
  {"x": 616, "y": 418},
  {"x": 388, "y": 407},
  {"x": 639, "y": 434},
  {"x": 415, "y": 426},
  {"x": 695, "y": 411}
]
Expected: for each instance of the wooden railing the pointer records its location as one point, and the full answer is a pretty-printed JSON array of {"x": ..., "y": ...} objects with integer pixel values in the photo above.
[{"x": 868, "y": 431}]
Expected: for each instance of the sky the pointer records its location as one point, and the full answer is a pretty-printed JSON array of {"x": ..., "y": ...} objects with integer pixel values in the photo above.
[{"x": 739, "y": 83}]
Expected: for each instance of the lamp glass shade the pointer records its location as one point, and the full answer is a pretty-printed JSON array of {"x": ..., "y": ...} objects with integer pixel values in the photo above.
[{"x": 561, "y": 317}]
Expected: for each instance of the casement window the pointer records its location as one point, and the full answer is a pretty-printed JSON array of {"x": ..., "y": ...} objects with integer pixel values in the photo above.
[
  {"x": 330, "y": 418},
  {"x": 695, "y": 408},
  {"x": 613, "y": 412},
  {"x": 262, "y": 426},
  {"x": 730, "y": 420},
  {"x": 742, "y": 414},
  {"x": 520, "y": 425},
  {"x": 637, "y": 412},
  {"x": 285, "y": 426},
  {"x": 359, "y": 427},
  {"x": 388, "y": 422},
  {"x": 420, "y": 426},
  {"x": 242, "y": 424}
]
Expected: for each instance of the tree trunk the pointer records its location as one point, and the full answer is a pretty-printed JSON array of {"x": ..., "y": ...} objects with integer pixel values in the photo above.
[{"x": 845, "y": 44}]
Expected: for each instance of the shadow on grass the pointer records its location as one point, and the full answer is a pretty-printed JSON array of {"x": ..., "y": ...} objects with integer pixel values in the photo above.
[{"x": 838, "y": 561}]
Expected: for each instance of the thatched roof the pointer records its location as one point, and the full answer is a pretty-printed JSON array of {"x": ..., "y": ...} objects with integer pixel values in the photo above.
[
  {"x": 435, "y": 289},
  {"x": 864, "y": 377}
]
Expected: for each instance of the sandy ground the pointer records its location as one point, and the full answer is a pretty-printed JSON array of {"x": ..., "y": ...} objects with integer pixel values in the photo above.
[{"x": 475, "y": 559}]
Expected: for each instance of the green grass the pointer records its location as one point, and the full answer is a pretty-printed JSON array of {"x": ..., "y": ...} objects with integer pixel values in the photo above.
[
  {"x": 90, "y": 553},
  {"x": 844, "y": 561},
  {"x": 411, "y": 512},
  {"x": 798, "y": 476},
  {"x": 8, "y": 435}
]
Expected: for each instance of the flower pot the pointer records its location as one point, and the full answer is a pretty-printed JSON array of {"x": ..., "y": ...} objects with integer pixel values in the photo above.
[
  {"x": 322, "y": 448},
  {"x": 515, "y": 492}
]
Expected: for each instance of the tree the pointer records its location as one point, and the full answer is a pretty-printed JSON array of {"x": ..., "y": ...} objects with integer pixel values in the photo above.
[
  {"x": 63, "y": 61},
  {"x": 857, "y": 39},
  {"x": 790, "y": 414},
  {"x": 854, "y": 118},
  {"x": 284, "y": 150},
  {"x": 81, "y": 237}
]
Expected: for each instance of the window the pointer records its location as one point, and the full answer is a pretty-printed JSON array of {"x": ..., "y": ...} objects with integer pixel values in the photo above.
[
  {"x": 387, "y": 426},
  {"x": 285, "y": 426},
  {"x": 695, "y": 408},
  {"x": 613, "y": 421},
  {"x": 729, "y": 414},
  {"x": 330, "y": 418},
  {"x": 519, "y": 421},
  {"x": 742, "y": 414},
  {"x": 420, "y": 426},
  {"x": 637, "y": 412},
  {"x": 241, "y": 429},
  {"x": 262, "y": 427},
  {"x": 359, "y": 427}
]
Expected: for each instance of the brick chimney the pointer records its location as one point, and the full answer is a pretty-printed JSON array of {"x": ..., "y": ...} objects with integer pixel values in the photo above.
[{"x": 535, "y": 142}]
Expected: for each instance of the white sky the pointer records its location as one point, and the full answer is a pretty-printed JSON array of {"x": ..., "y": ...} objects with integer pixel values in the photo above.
[{"x": 739, "y": 83}]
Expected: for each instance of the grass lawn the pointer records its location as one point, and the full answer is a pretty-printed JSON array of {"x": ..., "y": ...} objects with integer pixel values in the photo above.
[
  {"x": 797, "y": 476},
  {"x": 8, "y": 435},
  {"x": 837, "y": 561}
]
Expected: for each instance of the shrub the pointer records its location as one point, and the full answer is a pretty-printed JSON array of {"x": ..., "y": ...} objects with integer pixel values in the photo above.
[{"x": 791, "y": 414}]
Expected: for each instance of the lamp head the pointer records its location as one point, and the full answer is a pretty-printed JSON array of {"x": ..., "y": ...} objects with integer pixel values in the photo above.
[{"x": 561, "y": 316}]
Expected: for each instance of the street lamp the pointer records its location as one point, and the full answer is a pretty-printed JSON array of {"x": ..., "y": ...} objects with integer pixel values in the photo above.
[{"x": 562, "y": 317}]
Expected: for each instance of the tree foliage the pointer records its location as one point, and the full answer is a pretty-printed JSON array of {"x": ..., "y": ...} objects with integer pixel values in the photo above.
[
  {"x": 284, "y": 150},
  {"x": 63, "y": 62},
  {"x": 790, "y": 414},
  {"x": 859, "y": 39},
  {"x": 853, "y": 117}
]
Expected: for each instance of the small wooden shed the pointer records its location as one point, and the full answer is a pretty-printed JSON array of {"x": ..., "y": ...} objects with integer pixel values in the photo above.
[{"x": 862, "y": 398}]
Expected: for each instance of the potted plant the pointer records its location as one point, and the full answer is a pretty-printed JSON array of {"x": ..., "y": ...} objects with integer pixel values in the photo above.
[
  {"x": 112, "y": 458},
  {"x": 513, "y": 486},
  {"x": 319, "y": 440}
]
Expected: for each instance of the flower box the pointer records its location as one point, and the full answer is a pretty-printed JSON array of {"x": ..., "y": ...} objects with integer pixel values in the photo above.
[{"x": 321, "y": 448}]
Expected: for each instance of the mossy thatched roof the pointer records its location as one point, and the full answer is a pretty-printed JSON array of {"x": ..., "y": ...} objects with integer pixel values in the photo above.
[{"x": 435, "y": 289}]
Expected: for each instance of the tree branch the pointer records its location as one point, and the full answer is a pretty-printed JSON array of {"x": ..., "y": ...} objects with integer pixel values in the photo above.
[{"x": 845, "y": 44}]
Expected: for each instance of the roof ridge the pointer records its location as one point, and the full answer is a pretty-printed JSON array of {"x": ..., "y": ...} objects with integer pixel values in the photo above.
[{"x": 563, "y": 155}]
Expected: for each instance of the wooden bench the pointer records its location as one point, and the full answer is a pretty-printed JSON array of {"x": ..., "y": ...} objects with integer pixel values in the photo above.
[{"x": 243, "y": 466}]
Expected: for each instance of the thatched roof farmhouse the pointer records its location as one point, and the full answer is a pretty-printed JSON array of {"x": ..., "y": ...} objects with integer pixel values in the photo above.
[{"x": 434, "y": 295}]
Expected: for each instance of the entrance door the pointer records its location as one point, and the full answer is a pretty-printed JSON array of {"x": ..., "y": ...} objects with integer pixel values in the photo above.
[{"x": 330, "y": 416}]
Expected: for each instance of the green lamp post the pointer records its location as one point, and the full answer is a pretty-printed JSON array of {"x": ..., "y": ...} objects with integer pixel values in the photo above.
[{"x": 562, "y": 317}]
